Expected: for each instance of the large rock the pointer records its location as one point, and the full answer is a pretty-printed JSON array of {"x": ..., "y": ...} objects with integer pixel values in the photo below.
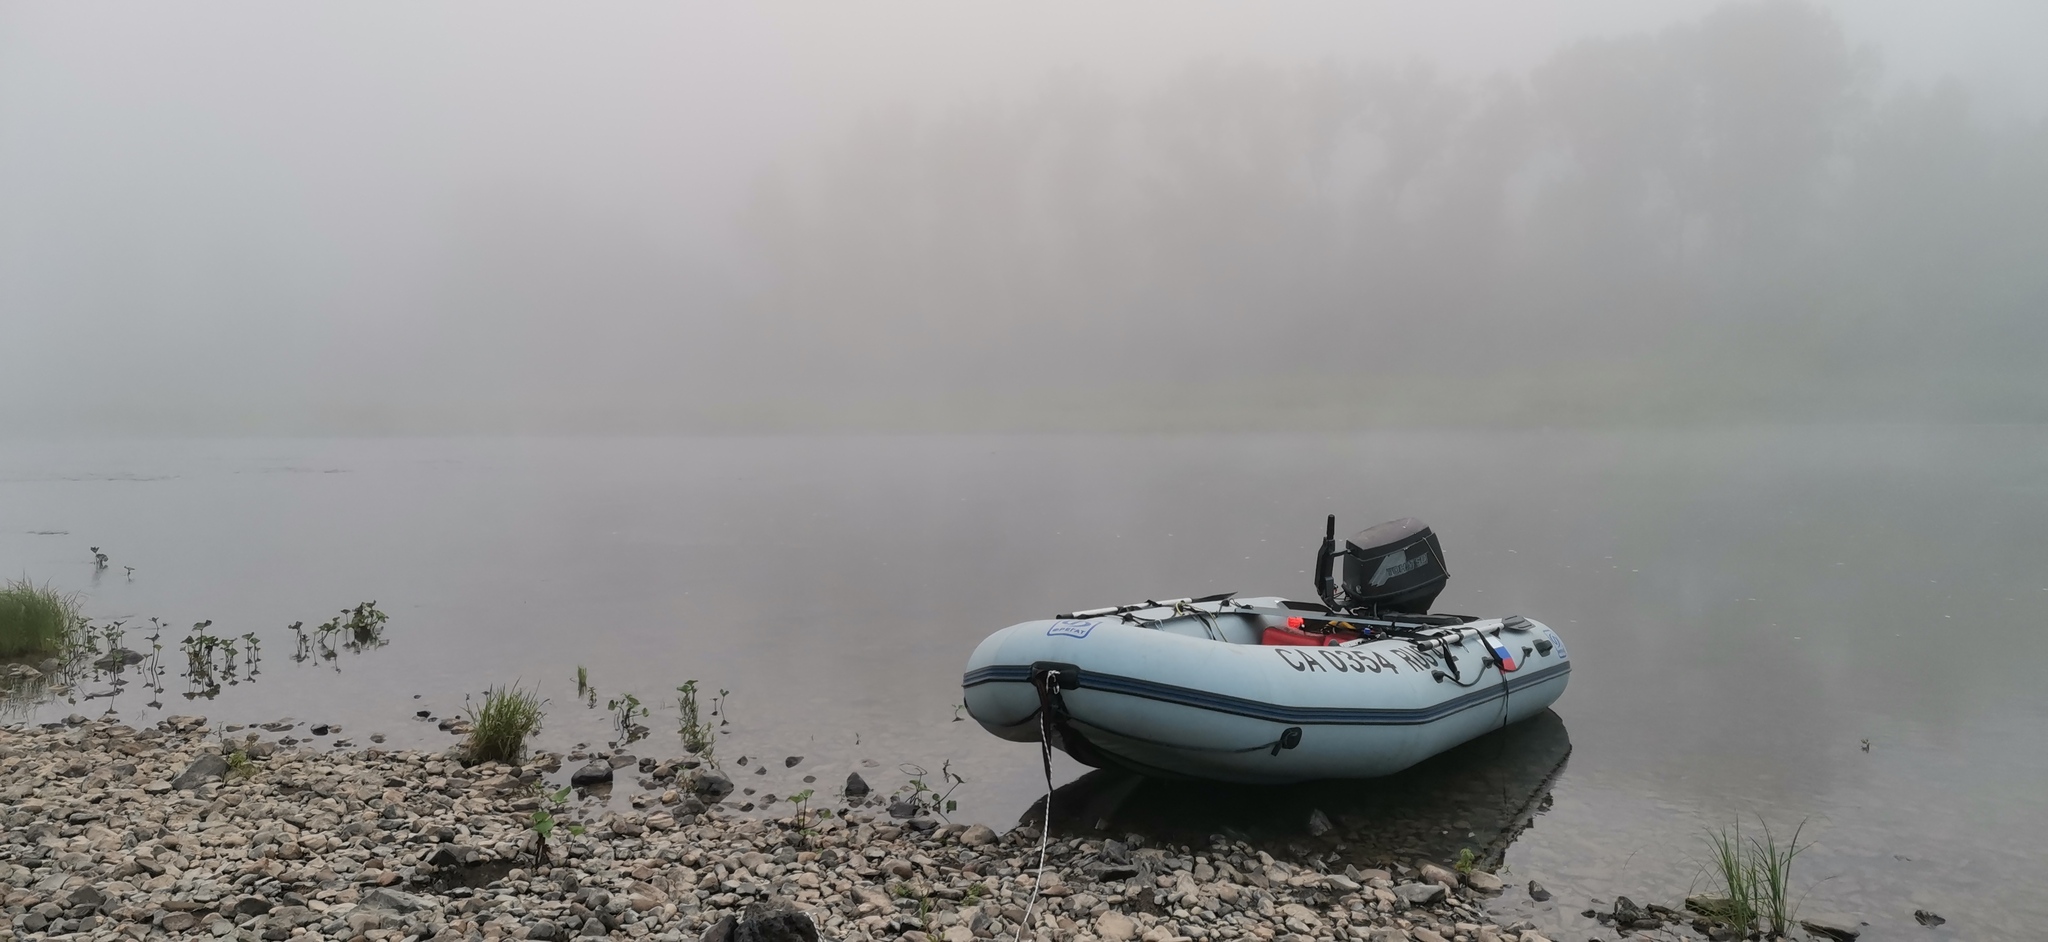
[
  {"x": 856, "y": 787},
  {"x": 206, "y": 768},
  {"x": 775, "y": 920},
  {"x": 596, "y": 773},
  {"x": 1115, "y": 927},
  {"x": 710, "y": 785},
  {"x": 1483, "y": 882},
  {"x": 1442, "y": 876},
  {"x": 1421, "y": 894},
  {"x": 1538, "y": 893}
]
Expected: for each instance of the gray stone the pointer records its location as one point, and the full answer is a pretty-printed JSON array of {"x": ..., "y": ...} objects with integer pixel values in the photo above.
[
  {"x": 856, "y": 787},
  {"x": 545, "y": 930},
  {"x": 206, "y": 768},
  {"x": 978, "y": 835},
  {"x": 1839, "y": 928},
  {"x": 252, "y": 906},
  {"x": 1927, "y": 917},
  {"x": 1483, "y": 882},
  {"x": 621, "y": 761},
  {"x": 392, "y": 900},
  {"x": 596, "y": 773},
  {"x": 1319, "y": 823},
  {"x": 1115, "y": 927},
  {"x": 789, "y": 762},
  {"x": 1421, "y": 894},
  {"x": 1538, "y": 893},
  {"x": 84, "y": 896}
]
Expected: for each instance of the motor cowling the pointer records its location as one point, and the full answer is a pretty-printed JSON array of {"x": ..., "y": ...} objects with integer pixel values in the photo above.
[{"x": 1397, "y": 566}]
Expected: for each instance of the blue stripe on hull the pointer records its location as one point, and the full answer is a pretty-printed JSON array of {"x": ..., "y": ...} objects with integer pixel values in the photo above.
[{"x": 1278, "y": 713}]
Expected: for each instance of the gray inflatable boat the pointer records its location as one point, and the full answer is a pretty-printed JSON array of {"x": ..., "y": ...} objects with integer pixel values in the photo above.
[{"x": 1361, "y": 683}]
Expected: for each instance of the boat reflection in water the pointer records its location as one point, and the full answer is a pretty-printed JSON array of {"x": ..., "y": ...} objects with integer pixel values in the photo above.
[{"x": 1481, "y": 795}]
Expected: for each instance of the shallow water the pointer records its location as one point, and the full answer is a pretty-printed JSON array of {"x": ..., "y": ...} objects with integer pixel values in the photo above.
[{"x": 1745, "y": 609}]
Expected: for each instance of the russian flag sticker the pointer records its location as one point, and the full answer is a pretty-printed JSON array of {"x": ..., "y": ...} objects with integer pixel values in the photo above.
[{"x": 1507, "y": 660}]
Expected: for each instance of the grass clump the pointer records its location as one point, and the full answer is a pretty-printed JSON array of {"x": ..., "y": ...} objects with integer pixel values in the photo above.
[
  {"x": 35, "y": 619},
  {"x": 500, "y": 724},
  {"x": 1756, "y": 878}
]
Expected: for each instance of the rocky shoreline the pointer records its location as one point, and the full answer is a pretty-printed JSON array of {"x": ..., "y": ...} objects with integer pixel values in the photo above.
[{"x": 179, "y": 831}]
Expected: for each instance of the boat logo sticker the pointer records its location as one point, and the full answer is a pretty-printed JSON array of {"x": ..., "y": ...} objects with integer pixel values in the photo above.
[
  {"x": 1559, "y": 642},
  {"x": 1071, "y": 628}
]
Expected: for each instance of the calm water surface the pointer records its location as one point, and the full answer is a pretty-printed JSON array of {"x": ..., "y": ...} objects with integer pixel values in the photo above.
[{"x": 1745, "y": 610}]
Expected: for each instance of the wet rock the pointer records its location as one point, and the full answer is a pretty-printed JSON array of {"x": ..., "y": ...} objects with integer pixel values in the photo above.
[
  {"x": 1927, "y": 917},
  {"x": 710, "y": 785},
  {"x": 1538, "y": 893},
  {"x": 1483, "y": 882},
  {"x": 320, "y": 729},
  {"x": 856, "y": 787},
  {"x": 621, "y": 761},
  {"x": 790, "y": 762},
  {"x": 206, "y": 768},
  {"x": 902, "y": 808},
  {"x": 1319, "y": 823},
  {"x": 775, "y": 920},
  {"x": 1838, "y": 928},
  {"x": 596, "y": 773}
]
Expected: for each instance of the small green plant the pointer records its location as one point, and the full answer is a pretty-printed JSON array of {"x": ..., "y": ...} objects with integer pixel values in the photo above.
[
  {"x": 626, "y": 715},
  {"x": 690, "y": 725},
  {"x": 718, "y": 707},
  {"x": 544, "y": 821},
  {"x": 1466, "y": 860},
  {"x": 927, "y": 798},
  {"x": 239, "y": 764},
  {"x": 804, "y": 814},
  {"x": 36, "y": 619},
  {"x": 500, "y": 725}
]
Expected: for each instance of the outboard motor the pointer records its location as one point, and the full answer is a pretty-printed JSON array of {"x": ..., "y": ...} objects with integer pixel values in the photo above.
[{"x": 1396, "y": 566}]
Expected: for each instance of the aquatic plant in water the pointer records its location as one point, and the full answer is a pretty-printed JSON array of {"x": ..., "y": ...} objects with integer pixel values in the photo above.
[
  {"x": 690, "y": 725},
  {"x": 626, "y": 714},
  {"x": 1756, "y": 878}
]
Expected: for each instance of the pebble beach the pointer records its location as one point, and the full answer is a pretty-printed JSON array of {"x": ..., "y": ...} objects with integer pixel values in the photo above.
[{"x": 182, "y": 831}]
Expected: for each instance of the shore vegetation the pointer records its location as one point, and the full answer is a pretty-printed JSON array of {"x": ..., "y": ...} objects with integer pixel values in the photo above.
[
  {"x": 35, "y": 619},
  {"x": 1755, "y": 873},
  {"x": 500, "y": 724}
]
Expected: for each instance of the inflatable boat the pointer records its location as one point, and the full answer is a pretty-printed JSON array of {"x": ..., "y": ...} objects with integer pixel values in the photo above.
[{"x": 1363, "y": 682}]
